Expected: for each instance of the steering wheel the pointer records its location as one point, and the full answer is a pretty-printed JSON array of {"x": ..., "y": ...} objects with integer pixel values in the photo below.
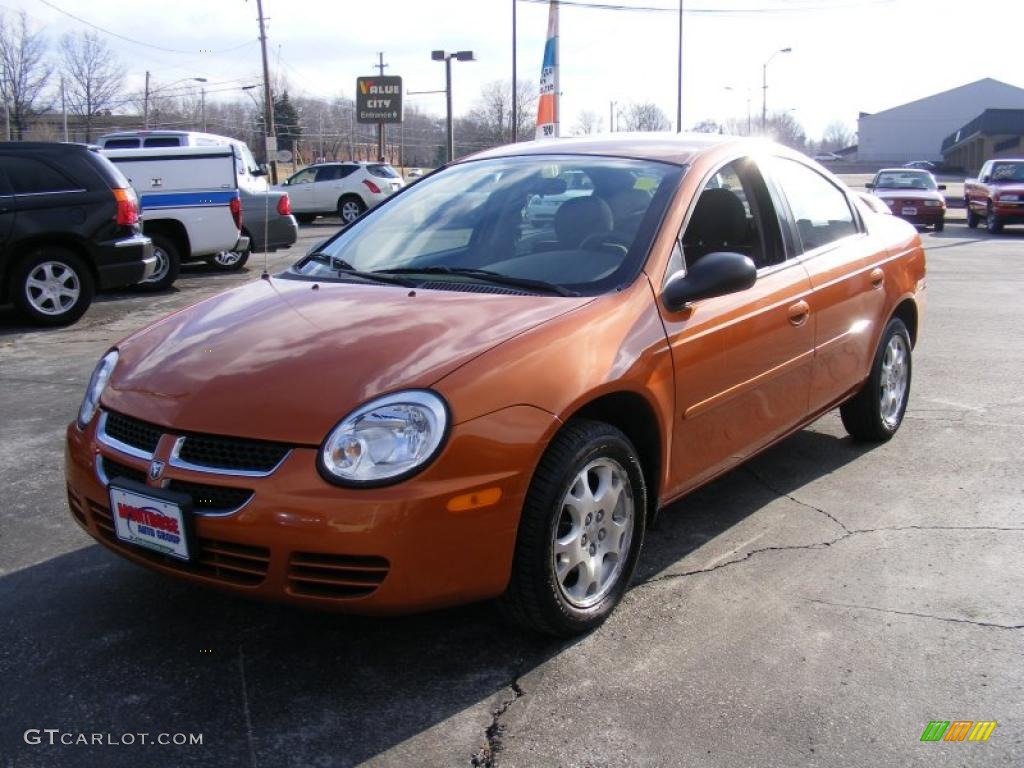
[{"x": 605, "y": 241}]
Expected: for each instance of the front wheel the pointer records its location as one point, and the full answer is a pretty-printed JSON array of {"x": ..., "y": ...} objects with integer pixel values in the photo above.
[
  {"x": 53, "y": 286},
  {"x": 168, "y": 262},
  {"x": 992, "y": 222},
  {"x": 350, "y": 208},
  {"x": 580, "y": 534},
  {"x": 876, "y": 412}
]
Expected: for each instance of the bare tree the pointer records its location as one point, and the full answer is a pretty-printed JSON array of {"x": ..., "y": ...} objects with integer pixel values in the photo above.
[
  {"x": 24, "y": 72},
  {"x": 784, "y": 128},
  {"x": 93, "y": 76},
  {"x": 837, "y": 136},
  {"x": 588, "y": 122},
  {"x": 491, "y": 116},
  {"x": 645, "y": 117},
  {"x": 707, "y": 126}
]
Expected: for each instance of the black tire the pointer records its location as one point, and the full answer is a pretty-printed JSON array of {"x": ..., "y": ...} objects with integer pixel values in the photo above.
[
  {"x": 862, "y": 414},
  {"x": 305, "y": 218},
  {"x": 53, "y": 268},
  {"x": 993, "y": 223},
  {"x": 535, "y": 598},
  {"x": 231, "y": 261},
  {"x": 168, "y": 265},
  {"x": 940, "y": 225},
  {"x": 973, "y": 219},
  {"x": 350, "y": 208}
]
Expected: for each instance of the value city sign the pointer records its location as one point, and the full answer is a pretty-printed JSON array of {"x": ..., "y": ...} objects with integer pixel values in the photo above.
[{"x": 379, "y": 99}]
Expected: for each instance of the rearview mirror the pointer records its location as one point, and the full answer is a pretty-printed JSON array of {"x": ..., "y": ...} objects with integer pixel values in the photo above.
[
  {"x": 942, "y": 186},
  {"x": 869, "y": 185},
  {"x": 984, "y": 179},
  {"x": 549, "y": 187},
  {"x": 716, "y": 274}
]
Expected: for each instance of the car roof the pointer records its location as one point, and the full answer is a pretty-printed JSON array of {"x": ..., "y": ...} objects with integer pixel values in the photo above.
[
  {"x": 677, "y": 148},
  {"x": 51, "y": 146}
]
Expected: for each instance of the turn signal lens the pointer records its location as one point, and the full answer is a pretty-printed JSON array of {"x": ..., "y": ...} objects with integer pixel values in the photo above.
[
  {"x": 284, "y": 205},
  {"x": 127, "y": 207}
]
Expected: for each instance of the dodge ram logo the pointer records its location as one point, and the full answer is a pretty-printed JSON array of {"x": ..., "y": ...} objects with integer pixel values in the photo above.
[{"x": 156, "y": 468}]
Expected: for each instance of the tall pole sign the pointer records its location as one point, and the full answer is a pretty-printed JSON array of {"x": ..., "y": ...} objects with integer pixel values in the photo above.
[
  {"x": 379, "y": 101},
  {"x": 547, "y": 104}
]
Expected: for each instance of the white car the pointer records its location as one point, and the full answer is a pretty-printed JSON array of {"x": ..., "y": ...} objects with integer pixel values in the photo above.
[{"x": 344, "y": 189}]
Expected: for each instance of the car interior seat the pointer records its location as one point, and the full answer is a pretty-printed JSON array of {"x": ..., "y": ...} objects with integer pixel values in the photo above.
[
  {"x": 719, "y": 223},
  {"x": 581, "y": 218}
]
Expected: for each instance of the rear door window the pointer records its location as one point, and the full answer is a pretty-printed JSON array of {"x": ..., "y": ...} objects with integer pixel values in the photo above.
[
  {"x": 163, "y": 141},
  {"x": 121, "y": 144},
  {"x": 820, "y": 209},
  {"x": 382, "y": 171},
  {"x": 29, "y": 176}
]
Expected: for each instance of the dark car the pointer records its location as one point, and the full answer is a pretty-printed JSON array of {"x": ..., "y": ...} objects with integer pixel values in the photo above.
[
  {"x": 267, "y": 222},
  {"x": 69, "y": 225}
]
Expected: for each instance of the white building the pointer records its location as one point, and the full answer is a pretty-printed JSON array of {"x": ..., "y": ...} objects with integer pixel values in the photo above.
[{"x": 915, "y": 131}]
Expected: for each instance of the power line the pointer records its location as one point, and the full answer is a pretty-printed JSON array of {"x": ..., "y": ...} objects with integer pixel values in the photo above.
[
  {"x": 129, "y": 39},
  {"x": 600, "y": 6}
]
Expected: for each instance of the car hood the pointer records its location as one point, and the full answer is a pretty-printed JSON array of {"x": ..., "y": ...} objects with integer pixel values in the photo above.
[
  {"x": 909, "y": 194},
  {"x": 285, "y": 360}
]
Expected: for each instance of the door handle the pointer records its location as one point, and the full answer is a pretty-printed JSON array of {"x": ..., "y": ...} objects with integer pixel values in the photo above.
[
  {"x": 799, "y": 312},
  {"x": 877, "y": 277}
]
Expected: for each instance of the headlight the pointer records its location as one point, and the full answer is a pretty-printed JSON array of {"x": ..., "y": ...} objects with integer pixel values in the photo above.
[
  {"x": 385, "y": 440},
  {"x": 97, "y": 384},
  {"x": 932, "y": 203}
]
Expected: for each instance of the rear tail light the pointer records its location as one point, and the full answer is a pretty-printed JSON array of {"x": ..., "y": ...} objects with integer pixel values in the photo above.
[
  {"x": 371, "y": 186},
  {"x": 236, "y": 211},
  {"x": 127, "y": 207},
  {"x": 284, "y": 205}
]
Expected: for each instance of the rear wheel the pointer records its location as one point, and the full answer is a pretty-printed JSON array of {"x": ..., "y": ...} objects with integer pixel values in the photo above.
[
  {"x": 580, "y": 533},
  {"x": 992, "y": 222},
  {"x": 305, "y": 218},
  {"x": 876, "y": 412},
  {"x": 350, "y": 208},
  {"x": 168, "y": 262},
  {"x": 53, "y": 286},
  {"x": 231, "y": 261}
]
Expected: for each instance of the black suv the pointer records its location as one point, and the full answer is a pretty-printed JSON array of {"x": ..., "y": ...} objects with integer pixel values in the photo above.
[{"x": 69, "y": 224}]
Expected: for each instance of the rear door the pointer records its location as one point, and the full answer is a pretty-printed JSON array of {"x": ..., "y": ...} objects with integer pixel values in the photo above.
[
  {"x": 332, "y": 181},
  {"x": 301, "y": 191},
  {"x": 846, "y": 267},
  {"x": 6, "y": 213}
]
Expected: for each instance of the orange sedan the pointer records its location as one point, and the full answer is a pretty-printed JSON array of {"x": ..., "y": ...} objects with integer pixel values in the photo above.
[{"x": 449, "y": 401}]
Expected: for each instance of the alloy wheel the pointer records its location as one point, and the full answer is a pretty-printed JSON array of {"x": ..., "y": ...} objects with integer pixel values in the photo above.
[
  {"x": 893, "y": 381},
  {"x": 52, "y": 288}
]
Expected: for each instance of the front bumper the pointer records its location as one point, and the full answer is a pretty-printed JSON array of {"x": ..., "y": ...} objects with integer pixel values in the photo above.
[
  {"x": 299, "y": 539},
  {"x": 1009, "y": 212},
  {"x": 125, "y": 261}
]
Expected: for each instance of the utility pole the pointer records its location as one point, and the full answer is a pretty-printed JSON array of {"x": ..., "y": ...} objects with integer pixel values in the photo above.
[
  {"x": 268, "y": 105},
  {"x": 515, "y": 89},
  {"x": 611, "y": 117},
  {"x": 679, "y": 80},
  {"x": 145, "y": 101},
  {"x": 381, "y": 66},
  {"x": 64, "y": 107},
  {"x": 202, "y": 96}
]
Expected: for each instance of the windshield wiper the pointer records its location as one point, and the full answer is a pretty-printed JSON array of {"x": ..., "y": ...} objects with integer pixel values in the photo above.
[
  {"x": 484, "y": 275},
  {"x": 344, "y": 269}
]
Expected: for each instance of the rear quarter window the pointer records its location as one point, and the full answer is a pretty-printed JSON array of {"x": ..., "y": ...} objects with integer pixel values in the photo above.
[
  {"x": 382, "y": 171},
  {"x": 30, "y": 176},
  {"x": 163, "y": 141},
  {"x": 121, "y": 144}
]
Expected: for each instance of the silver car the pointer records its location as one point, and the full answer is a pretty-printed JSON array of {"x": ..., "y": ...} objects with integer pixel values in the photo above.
[{"x": 343, "y": 189}]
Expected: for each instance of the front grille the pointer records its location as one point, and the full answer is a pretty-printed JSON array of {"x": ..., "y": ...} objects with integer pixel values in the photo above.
[
  {"x": 205, "y": 498},
  {"x": 340, "y": 577},
  {"x": 225, "y": 561},
  {"x": 113, "y": 469},
  {"x": 230, "y": 453},
  {"x": 133, "y": 432},
  {"x": 212, "y": 498}
]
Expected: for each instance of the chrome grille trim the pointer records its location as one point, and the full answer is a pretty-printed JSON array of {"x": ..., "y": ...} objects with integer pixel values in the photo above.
[
  {"x": 117, "y": 445},
  {"x": 179, "y": 463}
]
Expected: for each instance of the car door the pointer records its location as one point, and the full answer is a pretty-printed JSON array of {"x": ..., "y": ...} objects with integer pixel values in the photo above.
[
  {"x": 742, "y": 361},
  {"x": 6, "y": 214},
  {"x": 301, "y": 191},
  {"x": 332, "y": 182},
  {"x": 846, "y": 267}
]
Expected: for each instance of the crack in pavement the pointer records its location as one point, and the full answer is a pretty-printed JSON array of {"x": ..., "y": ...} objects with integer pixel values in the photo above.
[
  {"x": 488, "y": 754},
  {"x": 915, "y": 614},
  {"x": 763, "y": 481}
]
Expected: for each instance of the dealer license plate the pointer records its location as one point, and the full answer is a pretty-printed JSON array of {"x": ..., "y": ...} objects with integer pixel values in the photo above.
[
  {"x": 909, "y": 211},
  {"x": 150, "y": 522}
]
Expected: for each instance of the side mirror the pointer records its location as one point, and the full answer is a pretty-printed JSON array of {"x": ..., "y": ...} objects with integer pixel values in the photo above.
[
  {"x": 258, "y": 171},
  {"x": 716, "y": 274},
  {"x": 984, "y": 179},
  {"x": 942, "y": 186},
  {"x": 869, "y": 185}
]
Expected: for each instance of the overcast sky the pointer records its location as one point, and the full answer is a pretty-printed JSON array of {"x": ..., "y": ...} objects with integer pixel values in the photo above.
[{"x": 848, "y": 55}]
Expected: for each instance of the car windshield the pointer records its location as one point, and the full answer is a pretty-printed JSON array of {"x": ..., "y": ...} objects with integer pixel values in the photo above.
[
  {"x": 905, "y": 180},
  {"x": 485, "y": 218},
  {"x": 1008, "y": 172}
]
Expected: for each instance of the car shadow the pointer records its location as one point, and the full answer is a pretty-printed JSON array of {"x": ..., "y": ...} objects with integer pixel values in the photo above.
[{"x": 95, "y": 644}]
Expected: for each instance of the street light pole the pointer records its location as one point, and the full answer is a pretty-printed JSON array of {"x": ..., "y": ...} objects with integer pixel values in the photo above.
[
  {"x": 447, "y": 59},
  {"x": 679, "y": 75},
  {"x": 764, "y": 88}
]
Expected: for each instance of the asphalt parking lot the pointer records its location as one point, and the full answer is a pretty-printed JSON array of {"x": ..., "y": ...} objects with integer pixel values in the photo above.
[{"x": 817, "y": 607}]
